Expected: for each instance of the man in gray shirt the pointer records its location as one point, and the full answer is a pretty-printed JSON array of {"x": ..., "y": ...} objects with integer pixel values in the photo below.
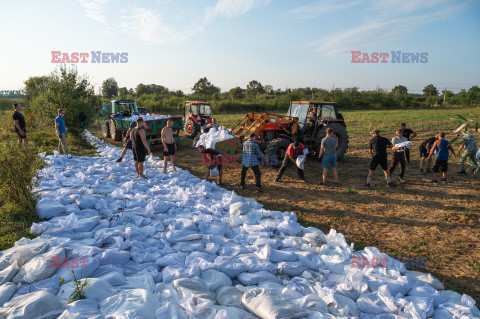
[
  {"x": 470, "y": 149},
  {"x": 328, "y": 149},
  {"x": 398, "y": 154}
]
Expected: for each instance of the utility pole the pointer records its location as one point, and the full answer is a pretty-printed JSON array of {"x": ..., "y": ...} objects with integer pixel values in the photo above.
[{"x": 444, "y": 95}]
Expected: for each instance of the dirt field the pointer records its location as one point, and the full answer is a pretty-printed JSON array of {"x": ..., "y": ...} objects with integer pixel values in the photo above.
[{"x": 414, "y": 219}]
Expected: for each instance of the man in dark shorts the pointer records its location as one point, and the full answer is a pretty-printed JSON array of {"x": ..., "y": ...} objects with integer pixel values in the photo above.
[
  {"x": 425, "y": 152},
  {"x": 378, "y": 151},
  {"x": 398, "y": 155},
  {"x": 441, "y": 160},
  {"x": 127, "y": 142},
  {"x": 410, "y": 135},
  {"x": 212, "y": 159},
  {"x": 19, "y": 124},
  {"x": 140, "y": 147},
  {"x": 293, "y": 151},
  {"x": 169, "y": 146}
]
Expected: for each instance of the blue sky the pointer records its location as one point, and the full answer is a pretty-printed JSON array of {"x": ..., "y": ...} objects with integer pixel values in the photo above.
[{"x": 283, "y": 43}]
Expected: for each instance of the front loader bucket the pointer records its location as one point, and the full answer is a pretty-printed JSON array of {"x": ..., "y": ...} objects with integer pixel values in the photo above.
[{"x": 229, "y": 146}]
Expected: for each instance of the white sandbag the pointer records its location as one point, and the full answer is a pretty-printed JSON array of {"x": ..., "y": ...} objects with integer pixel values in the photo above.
[
  {"x": 342, "y": 307},
  {"x": 36, "y": 305},
  {"x": 311, "y": 260},
  {"x": 214, "y": 172},
  {"x": 96, "y": 289},
  {"x": 86, "y": 266},
  {"x": 171, "y": 310},
  {"x": 376, "y": 303},
  {"x": 312, "y": 302},
  {"x": 426, "y": 278},
  {"x": 186, "y": 286},
  {"x": 50, "y": 285},
  {"x": 232, "y": 313},
  {"x": 142, "y": 280},
  {"x": 6, "y": 292},
  {"x": 48, "y": 208},
  {"x": 428, "y": 291},
  {"x": 135, "y": 303},
  {"x": 21, "y": 253},
  {"x": 8, "y": 273},
  {"x": 239, "y": 208},
  {"x": 275, "y": 255},
  {"x": 266, "y": 305},
  {"x": 289, "y": 227},
  {"x": 114, "y": 278},
  {"x": 291, "y": 269},
  {"x": 229, "y": 296},
  {"x": 255, "y": 278},
  {"x": 81, "y": 309},
  {"x": 300, "y": 161},
  {"x": 114, "y": 256},
  {"x": 214, "y": 279},
  {"x": 40, "y": 267},
  {"x": 86, "y": 202}
]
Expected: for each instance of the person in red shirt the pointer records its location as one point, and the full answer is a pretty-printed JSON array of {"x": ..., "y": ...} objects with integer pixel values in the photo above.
[{"x": 293, "y": 151}]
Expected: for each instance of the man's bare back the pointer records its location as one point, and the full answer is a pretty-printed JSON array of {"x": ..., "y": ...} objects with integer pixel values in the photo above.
[{"x": 167, "y": 135}]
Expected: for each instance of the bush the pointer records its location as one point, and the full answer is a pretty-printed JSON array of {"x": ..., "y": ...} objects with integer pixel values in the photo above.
[{"x": 18, "y": 168}]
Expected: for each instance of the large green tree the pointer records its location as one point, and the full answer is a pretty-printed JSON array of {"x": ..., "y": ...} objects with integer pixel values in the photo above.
[
  {"x": 254, "y": 87},
  {"x": 400, "y": 90},
  {"x": 430, "y": 90},
  {"x": 109, "y": 88},
  {"x": 70, "y": 91},
  {"x": 35, "y": 85},
  {"x": 205, "y": 87}
]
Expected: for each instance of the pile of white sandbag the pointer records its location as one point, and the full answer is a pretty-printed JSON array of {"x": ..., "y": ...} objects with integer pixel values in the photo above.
[
  {"x": 176, "y": 246},
  {"x": 214, "y": 136},
  {"x": 147, "y": 117}
]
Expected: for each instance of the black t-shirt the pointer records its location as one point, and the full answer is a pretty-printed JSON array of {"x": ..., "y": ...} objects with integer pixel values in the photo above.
[
  {"x": 211, "y": 151},
  {"x": 407, "y": 132},
  {"x": 430, "y": 141},
  {"x": 17, "y": 116},
  {"x": 379, "y": 144}
]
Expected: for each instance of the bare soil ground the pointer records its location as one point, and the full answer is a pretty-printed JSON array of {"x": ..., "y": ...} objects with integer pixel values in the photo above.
[{"x": 414, "y": 219}]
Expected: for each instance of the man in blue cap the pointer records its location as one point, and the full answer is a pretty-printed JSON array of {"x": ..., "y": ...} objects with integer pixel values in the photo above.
[{"x": 250, "y": 155}]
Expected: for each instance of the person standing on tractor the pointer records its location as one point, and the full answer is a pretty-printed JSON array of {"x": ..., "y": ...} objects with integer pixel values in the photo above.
[
  {"x": 19, "y": 124},
  {"x": 127, "y": 142},
  {"x": 293, "y": 151},
  {"x": 398, "y": 155},
  {"x": 470, "y": 146},
  {"x": 378, "y": 151},
  {"x": 250, "y": 155},
  {"x": 441, "y": 161},
  {"x": 410, "y": 135},
  {"x": 140, "y": 147},
  {"x": 328, "y": 149},
  {"x": 212, "y": 159},
  {"x": 425, "y": 152},
  {"x": 169, "y": 146}
]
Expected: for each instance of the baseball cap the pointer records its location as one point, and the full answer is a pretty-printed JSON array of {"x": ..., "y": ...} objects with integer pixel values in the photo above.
[{"x": 375, "y": 132}]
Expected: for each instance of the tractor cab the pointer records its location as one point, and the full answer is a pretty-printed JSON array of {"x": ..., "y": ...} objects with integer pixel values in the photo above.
[
  {"x": 120, "y": 108},
  {"x": 196, "y": 114}
]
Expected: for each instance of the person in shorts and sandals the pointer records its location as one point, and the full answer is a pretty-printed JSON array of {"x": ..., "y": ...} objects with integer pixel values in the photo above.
[
  {"x": 213, "y": 159},
  {"x": 469, "y": 148},
  {"x": 410, "y": 135},
  {"x": 441, "y": 161},
  {"x": 328, "y": 149},
  {"x": 140, "y": 147},
  {"x": 127, "y": 142},
  {"x": 293, "y": 151},
  {"x": 378, "y": 151},
  {"x": 398, "y": 155},
  {"x": 425, "y": 152},
  {"x": 19, "y": 124},
  {"x": 169, "y": 146}
]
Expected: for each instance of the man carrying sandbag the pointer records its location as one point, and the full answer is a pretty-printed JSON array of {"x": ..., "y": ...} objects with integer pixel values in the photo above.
[
  {"x": 212, "y": 159},
  {"x": 250, "y": 155},
  {"x": 398, "y": 154},
  {"x": 293, "y": 151}
]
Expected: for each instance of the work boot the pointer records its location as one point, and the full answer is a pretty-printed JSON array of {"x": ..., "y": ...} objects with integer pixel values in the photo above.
[
  {"x": 143, "y": 176},
  {"x": 367, "y": 185},
  {"x": 429, "y": 171},
  {"x": 422, "y": 171},
  {"x": 400, "y": 178},
  {"x": 119, "y": 160}
]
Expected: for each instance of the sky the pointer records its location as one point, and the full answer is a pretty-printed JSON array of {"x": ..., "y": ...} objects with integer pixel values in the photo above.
[{"x": 283, "y": 43}]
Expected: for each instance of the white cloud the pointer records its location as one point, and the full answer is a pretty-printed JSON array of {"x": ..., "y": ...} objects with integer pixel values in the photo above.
[
  {"x": 232, "y": 8},
  {"x": 384, "y": 20},
  {"x": 317, "y": 8},
  {"x": 93, "y": 9}
]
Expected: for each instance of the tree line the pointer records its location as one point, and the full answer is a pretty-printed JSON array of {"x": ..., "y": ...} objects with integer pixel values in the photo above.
[{"x": 256, "y": 96}]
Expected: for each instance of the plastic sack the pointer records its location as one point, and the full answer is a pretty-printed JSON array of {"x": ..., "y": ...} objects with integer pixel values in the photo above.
[
  {"x": 6, "y": 292},
  {"x": 300, "y": 161},
  {"x": 255, "y": 278},
  {"x": 267, "y": 305},
  {"x": 239, "y": 208},
  {"x": 135, "y": 303},
  {"x": 8, "y": 273},
  {"x": 229, "y": 296},
  {"x": 214, "y": 172},
  {"x": 214, "y": 279},
  {"x": 34, "y": 305},
  {"x": 96, "y": 289},
  {"x": 48, "y": 208},
  {"x": 426, "y": 278},
  {"x": 40, "y": 267},
  {"x": 81, "y": 309},
  {"x": 193, "y": 287}
]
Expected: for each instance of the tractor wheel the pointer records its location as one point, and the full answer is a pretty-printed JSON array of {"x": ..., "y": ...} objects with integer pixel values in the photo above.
[
  {"x": 342, "y": 136},
  {"x": 278, "y": 147},
  {"x": 106, "y": 129},
  {"x": 115, "y": 134},
  {"x": 191, "y": 129}
]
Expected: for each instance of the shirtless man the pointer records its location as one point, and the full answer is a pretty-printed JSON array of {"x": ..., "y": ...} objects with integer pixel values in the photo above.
[{"x": 169, "y": 146}]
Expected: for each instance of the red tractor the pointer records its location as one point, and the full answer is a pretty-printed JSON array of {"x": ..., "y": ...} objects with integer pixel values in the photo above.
[{"x": 196, "y": 115}]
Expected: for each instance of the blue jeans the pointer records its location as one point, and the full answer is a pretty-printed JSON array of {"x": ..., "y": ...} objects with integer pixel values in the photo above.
[{"x": 329, "y": 161}]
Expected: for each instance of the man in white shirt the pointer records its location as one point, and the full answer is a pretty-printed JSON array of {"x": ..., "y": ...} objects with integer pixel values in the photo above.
[{"x": 398, "y": 154}]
